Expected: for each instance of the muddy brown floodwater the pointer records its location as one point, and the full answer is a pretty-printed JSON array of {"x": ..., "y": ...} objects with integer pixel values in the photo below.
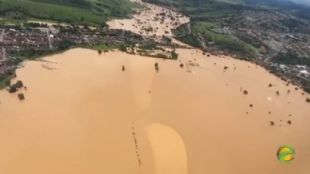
[{"x": 86, "y": 113}]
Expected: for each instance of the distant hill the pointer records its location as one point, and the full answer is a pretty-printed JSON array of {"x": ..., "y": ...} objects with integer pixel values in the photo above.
[{"x": 73, "y": 11}]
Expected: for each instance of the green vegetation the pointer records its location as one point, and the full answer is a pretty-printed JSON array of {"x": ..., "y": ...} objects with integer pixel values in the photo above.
[
  {"x": 207, "y": 26},
  {"x": 103, "y": 47},
  {"x": 210, "y": 17},
  {"x": 92, "y": 12},
  {"x": 174, "y": 55},
  {"x": 291, "y": 59},
  {"x": 207, "y": 32},
  {"x": 4, "y": 81}
]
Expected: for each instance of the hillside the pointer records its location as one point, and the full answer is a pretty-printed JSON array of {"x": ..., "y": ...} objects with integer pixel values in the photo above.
[{"x": 72, "y": 11}]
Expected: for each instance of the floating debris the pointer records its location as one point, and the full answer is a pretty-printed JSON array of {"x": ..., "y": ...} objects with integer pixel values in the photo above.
[
  {"x": 308, "y": 100},
  {"x": 270, "y": 85},
  {"x": 289, "y": 122},
  {"x": 156, "y": 67},
  {"x": 181, "y": 65},
  {"x": 251, "y": 105},
  {"x": 21, "y": 96},
  {"x": 245, "y": 92},
  {"x": 271, "y": 123},
  {"x": 123, "y": 68},
  {"x": 278, "y": 93}
]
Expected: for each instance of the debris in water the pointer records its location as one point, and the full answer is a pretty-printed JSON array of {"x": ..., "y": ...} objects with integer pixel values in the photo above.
[
  {"x": 21, "y": 96},
  {"x": 245, "y": 92},
  {"x": 123, "y": 68},
  {"x": 156, "y": 66}
]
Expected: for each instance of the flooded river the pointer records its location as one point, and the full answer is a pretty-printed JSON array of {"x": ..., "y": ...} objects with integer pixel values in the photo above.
[{"x": 83, "y": 114}]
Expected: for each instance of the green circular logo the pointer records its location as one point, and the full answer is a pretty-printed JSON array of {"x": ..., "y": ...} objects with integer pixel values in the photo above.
[{"x": 286, "y": 153}]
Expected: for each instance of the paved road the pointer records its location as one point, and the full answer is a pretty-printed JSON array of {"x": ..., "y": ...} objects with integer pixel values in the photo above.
[{"x": 49, "y": 39}]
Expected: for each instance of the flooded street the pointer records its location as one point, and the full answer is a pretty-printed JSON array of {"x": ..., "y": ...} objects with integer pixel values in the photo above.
[{"x": 83, "y": 114}]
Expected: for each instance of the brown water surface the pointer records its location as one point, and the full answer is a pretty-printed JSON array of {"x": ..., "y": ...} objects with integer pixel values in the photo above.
[{"x": 80, "y": 116}]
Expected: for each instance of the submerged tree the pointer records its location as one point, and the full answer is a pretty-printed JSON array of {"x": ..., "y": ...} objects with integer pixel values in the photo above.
[{"x": 21, "y": 96}]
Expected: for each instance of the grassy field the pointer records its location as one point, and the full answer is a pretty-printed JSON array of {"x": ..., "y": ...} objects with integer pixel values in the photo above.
[
  {"x": 207, "y": 30},
  {"x": 92, "y": 12}
]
